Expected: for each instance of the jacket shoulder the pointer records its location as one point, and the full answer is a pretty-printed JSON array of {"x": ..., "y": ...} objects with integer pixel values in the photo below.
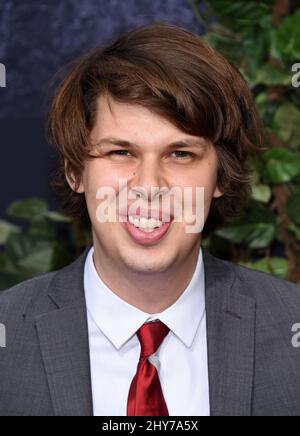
[
  {"x": 15, "y": 299},
  {"x": 252, "y": 282},
  {"x": 276, "y": 299},
  {"x": 262, "y": 280},
  {"x": 34, "y": 293}
]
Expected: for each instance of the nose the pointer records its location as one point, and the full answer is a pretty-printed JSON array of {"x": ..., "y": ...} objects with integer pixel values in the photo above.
[{"x": 148, "y": 178}]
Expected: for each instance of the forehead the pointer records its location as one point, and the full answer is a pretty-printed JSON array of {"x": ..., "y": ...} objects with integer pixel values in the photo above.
[{"x": 134, "y": 123}]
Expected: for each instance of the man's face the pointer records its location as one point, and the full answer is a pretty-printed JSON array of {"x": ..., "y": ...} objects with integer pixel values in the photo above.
[{"x": 149, "y": 163}]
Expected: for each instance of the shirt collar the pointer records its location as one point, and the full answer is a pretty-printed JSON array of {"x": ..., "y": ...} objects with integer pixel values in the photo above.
[{"x": 119, "y": 321}]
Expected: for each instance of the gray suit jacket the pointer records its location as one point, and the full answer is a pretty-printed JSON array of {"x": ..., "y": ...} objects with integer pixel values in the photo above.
[{"x": 253, "y": 367}]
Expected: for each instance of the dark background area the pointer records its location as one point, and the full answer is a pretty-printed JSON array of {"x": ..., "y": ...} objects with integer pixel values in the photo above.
[{"x": 37, "y": 38}]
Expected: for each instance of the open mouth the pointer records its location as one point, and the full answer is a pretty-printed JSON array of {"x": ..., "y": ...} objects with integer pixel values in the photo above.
[{"x": 146, "y": 231}]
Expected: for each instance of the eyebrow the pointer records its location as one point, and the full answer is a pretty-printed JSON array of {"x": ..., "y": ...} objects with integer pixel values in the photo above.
[{"x": 186, "y": 142}]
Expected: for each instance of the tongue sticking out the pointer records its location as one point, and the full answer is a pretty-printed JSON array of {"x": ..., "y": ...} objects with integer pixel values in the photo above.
[{"x": 146, "y": 236}]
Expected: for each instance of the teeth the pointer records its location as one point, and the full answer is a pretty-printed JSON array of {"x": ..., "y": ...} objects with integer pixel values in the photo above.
[{"x": 144, "y": 223}]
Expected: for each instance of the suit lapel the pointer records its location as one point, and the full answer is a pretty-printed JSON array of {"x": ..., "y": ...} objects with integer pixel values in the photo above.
[
  {"x": 230, "y": 334},
  {"x": 63, "y": 337}
]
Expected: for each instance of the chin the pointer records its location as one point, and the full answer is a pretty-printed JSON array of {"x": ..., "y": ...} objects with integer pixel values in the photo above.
[{"x": 146, "y": 265}]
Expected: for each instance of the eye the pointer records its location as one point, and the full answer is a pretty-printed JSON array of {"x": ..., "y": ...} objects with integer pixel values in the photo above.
[
  {"x": 119, "y": 152},
  {"x": 179, "y": 154},
  {"x": 182, "y": 154}
]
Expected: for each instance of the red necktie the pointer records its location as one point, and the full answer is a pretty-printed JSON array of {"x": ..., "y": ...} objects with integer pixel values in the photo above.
[{"x": 145, "y": 394}]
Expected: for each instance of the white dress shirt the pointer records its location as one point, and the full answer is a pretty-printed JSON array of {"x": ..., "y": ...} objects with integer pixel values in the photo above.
[{"x": 115, "y": 348}]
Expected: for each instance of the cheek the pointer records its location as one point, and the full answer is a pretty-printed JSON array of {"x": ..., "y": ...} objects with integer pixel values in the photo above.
[
  {"x": 208, "y": 177},
  {"x": 99, "y": 176},
  {"x": 204, "y": 177}
]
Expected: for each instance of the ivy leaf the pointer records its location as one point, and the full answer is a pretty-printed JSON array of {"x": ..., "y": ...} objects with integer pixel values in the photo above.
[
  {"x": 278, "y": 266},
  {"x": 18, "y": 246},
  {"x": 287, "y": 123},
  {"x": 255, "y": 228},
  {"x": 282, "y": 165},
  {"x": 39, "y": 260},
  {"x": 293, "y": 208},
  {"x": 259, "y": 235},
  {"x": 261, "y": 193},
  {"x": 58, "y": 217},
  {"x": 247, "y": 53},
  {"x": 270, "y": 75},
  {"x": 43, "y": 230},
  {"x": 287, "y": 37},
  {"x": 240, "y": 15},
  {"x": 30, "y": 209},
  {"x": 295, "y": 230},
  {"x": 6, "y": 229}
]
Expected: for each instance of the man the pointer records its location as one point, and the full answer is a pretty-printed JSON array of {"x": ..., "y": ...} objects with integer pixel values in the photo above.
[{"x": 146, "y": 321}]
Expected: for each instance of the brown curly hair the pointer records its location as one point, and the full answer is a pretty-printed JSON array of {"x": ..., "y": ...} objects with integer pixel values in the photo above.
[{"x": 173, "y": 73}]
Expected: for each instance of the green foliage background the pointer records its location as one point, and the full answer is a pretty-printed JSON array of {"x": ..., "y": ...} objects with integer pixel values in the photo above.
[
  {"x": 35, "y": 240},
  {"x": 263, "y": 39}
]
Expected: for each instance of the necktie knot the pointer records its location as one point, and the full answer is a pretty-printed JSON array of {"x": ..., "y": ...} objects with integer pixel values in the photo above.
[
  {"x": 145, "y": 397},
  {"x": 151, "y": 335}
]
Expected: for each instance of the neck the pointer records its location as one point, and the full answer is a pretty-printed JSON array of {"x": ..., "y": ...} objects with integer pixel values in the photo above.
[{"x": 153, "y": 292}]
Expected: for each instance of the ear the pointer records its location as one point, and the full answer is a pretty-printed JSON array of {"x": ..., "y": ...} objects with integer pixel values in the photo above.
[
  {"x": 218, "y": 193},
  {"x": 71, "y": 181}
]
